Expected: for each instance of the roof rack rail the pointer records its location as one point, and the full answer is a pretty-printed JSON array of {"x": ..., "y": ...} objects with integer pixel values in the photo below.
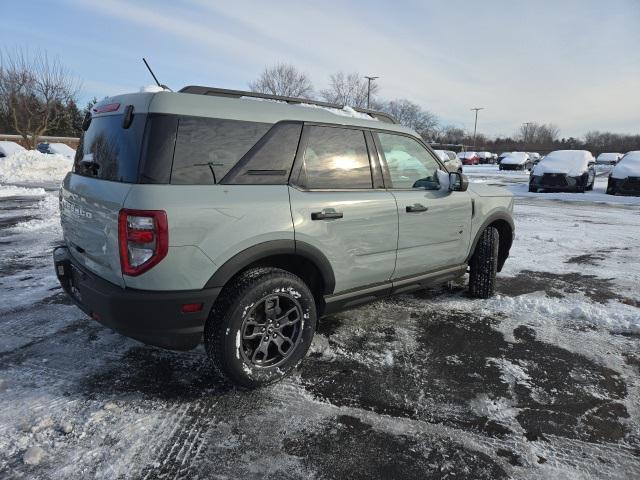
[{"x": 223, "y": 92}]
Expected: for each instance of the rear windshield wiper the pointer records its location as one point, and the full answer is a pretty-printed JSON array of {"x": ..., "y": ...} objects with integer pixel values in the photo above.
[{"x": 210, "y": 165}]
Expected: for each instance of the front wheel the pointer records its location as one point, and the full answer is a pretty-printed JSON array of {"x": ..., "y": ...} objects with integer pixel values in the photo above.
[
  {"x": 261, "y": 327},
  {"x": 533, "y": 189},
  {"x": 484, "y": 264}
]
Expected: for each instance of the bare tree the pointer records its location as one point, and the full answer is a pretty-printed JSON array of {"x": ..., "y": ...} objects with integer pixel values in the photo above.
[
  {"x": 413, "y": 116},
  {"x": 349, "y": 89},
  {"x": 283, "y": 79},
  {"x": 34, "y": 93},
  {"x": 537, "y": 135}
]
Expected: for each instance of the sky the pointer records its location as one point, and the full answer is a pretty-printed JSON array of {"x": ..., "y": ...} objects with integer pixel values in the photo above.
[{"x": 574, "y": 63}]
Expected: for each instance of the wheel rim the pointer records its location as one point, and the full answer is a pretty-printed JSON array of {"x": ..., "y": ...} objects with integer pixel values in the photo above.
[{"x": 271, "y": 330}]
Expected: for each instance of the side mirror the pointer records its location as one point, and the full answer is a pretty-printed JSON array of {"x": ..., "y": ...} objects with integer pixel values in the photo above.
[{"x": 458, "y": 182}]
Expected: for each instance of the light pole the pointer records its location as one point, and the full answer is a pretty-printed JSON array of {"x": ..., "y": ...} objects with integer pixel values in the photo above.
[
  {"x": 369, "y": 79},
  {"x": 475, "y": 125}
]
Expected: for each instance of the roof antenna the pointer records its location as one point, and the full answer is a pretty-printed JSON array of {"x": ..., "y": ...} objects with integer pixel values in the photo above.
[{"x": 154, "y": 75}]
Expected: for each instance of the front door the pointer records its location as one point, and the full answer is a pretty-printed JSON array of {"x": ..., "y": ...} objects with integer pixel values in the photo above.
[
  {"x": 336, "y": 208},
  {"x": 434, "y": 223}
]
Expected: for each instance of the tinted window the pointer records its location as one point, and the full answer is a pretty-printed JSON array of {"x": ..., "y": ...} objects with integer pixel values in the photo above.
[
  {"x": 410, "y": 164},
  {"x": 336, "y": 158},
  {"x": 159, "y": 145},
  {"x": 110, "y": 152},
  {"x": 270, "y": 161},
  {"x": 207, "y": 148}
]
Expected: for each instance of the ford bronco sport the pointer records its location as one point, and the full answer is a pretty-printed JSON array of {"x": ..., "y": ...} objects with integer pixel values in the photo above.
[{"x": 205, "y": 214}]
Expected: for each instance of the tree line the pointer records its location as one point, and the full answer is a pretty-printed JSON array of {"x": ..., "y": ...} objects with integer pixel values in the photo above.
[{"x": 39, "y": 96}]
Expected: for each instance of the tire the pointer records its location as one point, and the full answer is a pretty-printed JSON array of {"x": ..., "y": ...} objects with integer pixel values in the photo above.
[
  {"x": 484, "y": 264},
  {"x": 234, "y": 335},
  {"x": 580, "y": 189},
  {"x": 533, "y": 189},
  {"x": 610, "y": 189}
]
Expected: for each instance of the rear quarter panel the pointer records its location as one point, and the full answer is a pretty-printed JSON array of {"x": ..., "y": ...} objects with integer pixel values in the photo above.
[{"x": 208, "y": 225}]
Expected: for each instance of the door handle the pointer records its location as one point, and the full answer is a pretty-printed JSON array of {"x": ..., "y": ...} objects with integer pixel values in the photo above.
[
  {"x": 326, "y": 215},
  {"x": 416, "y": 208}
]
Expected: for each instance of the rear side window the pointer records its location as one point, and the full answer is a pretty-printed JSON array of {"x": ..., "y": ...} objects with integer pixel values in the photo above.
[
  {"x": 109, "y": 152},
  {"x": 335, "y": 158},
  {"x": 207, "y": 148},
  {"x": 270, "y": 160}
]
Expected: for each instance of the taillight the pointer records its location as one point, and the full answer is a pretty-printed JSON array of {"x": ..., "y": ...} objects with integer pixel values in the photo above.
[{"x": 143, "y": 236}]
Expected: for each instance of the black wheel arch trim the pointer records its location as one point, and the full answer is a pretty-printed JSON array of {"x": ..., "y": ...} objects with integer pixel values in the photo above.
[
  {"x": 505, "y": 243},
  {"x": 263, "y": 251}
]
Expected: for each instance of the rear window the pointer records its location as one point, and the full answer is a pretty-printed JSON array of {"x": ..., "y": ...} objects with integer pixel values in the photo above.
[{"x": 109, "y": 152}]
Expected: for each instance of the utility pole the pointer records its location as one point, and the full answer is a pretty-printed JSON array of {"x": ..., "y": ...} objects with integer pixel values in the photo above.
[
  {"x": 475, "y": 125},
  {"x": 369, "y": 79}
]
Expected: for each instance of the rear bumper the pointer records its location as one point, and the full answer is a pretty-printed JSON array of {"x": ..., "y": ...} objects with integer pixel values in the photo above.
[{"x": 152, "y": 317}]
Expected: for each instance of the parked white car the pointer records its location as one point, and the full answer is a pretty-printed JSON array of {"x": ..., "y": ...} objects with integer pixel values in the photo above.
[
  {"x": 625, "y": 176},
  {"x": 503, "y": 155},
  {"x": 450, "y": 160},
  {"x": 608, "y": 158},
  {"x": 57, "y": 149},
  {"x": 564, "y": 171},
  {"x": 9, "y": 148},
  {"x": 516, "y": 161}
]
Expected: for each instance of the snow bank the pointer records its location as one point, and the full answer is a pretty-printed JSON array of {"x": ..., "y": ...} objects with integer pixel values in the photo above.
[
  {"x": 569, "y": 162},
  {"x": 628, "y": 166},
  {"x": 13, "y": 191},
  {"x": 31, "y": 166}
]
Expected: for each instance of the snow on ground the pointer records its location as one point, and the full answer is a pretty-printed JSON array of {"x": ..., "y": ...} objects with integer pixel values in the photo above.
[
  {"x": 541, "y": 381},
  {"x": 33, "y": 167},
  {"x": 516, "y": 181}
]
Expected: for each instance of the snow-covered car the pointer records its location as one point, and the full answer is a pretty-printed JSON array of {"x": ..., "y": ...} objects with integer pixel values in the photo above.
[
  {"x": 608, "y": 158},
  {"x": 57, "y": 149},
  {"x": 450, "y": 160},
  {"x": 486, "y": 157},
  {"x": 469, "y": 158},
  {"x": 535, "y": 157},
  {"x": 625, "y": 176},
  {"x": 564, "y": 171},
  {"x": 516, "y": 161},
  {"x": 503, "y": 155},
  {"x": 9, "y": 148}
]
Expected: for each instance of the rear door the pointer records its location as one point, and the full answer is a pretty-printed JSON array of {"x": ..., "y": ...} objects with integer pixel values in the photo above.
[
  {"x": 434, "y": 223},
  {"x": 339, "y": 205},
  {"x": 105, "y": 167}
]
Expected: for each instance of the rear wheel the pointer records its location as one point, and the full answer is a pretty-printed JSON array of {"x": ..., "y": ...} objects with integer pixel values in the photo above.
[
  {"x": 533, "y": 189},
  {"x": 261, "y": 327},
  {"x": 484, "y": 264},
  {"x": 611, "y": 190}
]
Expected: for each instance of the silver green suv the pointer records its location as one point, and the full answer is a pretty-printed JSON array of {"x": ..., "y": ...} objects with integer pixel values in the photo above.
[{"x": 242, "y": 219}]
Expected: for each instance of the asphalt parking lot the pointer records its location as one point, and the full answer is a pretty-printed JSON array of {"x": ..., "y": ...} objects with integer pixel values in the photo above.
[{"x": 541, "y": 381}]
